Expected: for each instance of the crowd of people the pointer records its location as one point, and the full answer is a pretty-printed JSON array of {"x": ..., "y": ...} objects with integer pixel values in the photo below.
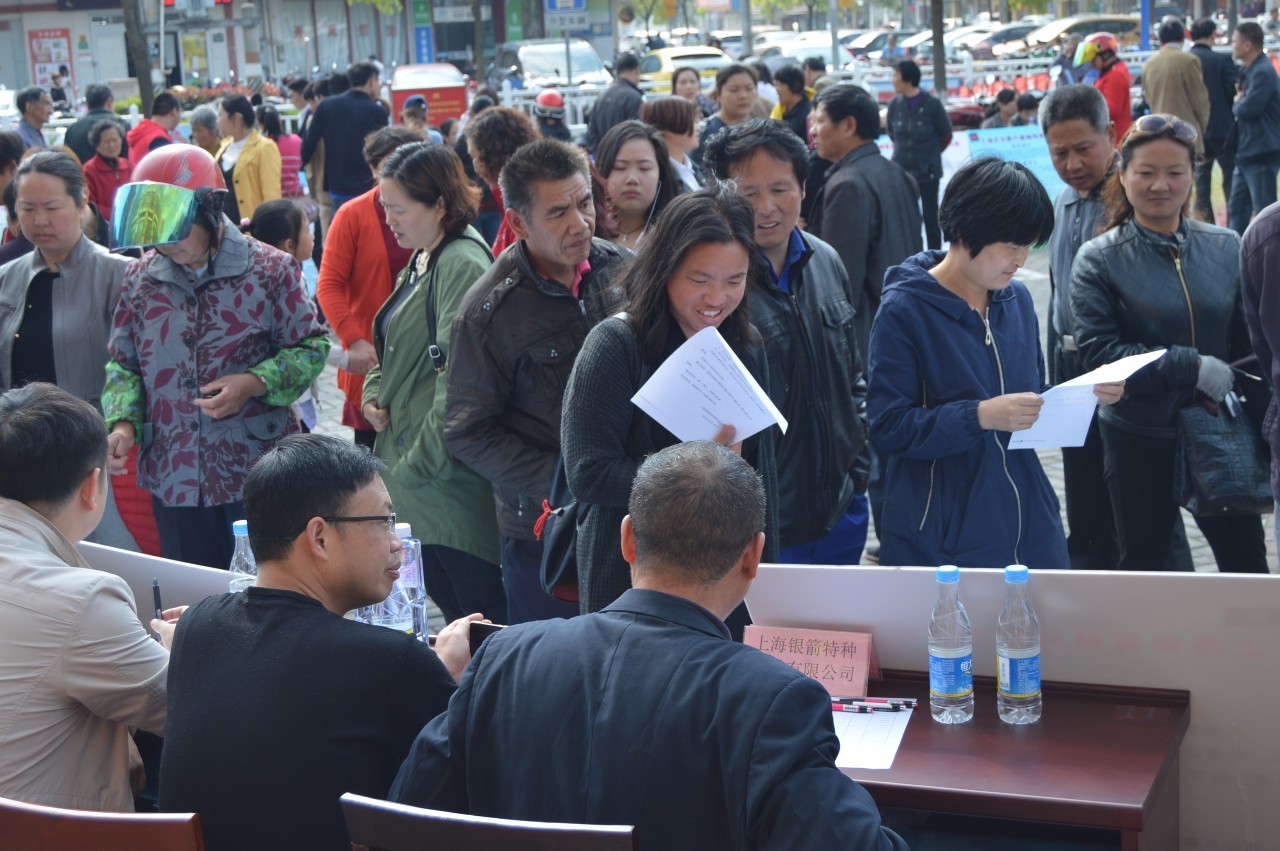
[{"x": 482, "y": 360}]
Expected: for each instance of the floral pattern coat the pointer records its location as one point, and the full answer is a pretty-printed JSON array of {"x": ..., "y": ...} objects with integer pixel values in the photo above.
[{"x": 177, "y": 330}]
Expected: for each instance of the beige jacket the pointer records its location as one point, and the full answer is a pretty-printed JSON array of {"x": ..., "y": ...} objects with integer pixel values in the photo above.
[
  {"x": 76, "y": 671},
  {"x": 1172, "y": 83}
]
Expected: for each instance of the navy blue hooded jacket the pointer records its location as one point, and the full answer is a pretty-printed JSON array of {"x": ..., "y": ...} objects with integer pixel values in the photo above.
[{"x": 954, "y": 492}]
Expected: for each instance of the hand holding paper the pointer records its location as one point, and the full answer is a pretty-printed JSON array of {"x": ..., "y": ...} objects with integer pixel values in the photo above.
[
  {"x": 704, "y": 387},
  {"x": 1069, "y": 407}
]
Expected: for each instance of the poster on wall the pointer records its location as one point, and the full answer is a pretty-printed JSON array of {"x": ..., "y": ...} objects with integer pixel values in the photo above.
[{"x": 50, "y": 50}]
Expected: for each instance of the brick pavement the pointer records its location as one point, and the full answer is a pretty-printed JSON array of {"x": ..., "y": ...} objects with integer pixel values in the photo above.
[{"x": 1036, "y": 277}]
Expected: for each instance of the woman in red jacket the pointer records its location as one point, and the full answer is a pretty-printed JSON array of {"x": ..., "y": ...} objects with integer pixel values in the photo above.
[
  {"x": 361, "y": 262},
  {"x": 1101, "y": 50},
  {"x": 106, "y": 171}
]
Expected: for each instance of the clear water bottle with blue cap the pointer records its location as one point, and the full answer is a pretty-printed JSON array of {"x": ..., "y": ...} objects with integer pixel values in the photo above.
[
  {"x": 244, "y": 570},
  {"x": 1017, "y": 652},
  {"x": 411, "y": 578},
  {"x": 950, "y": 653},
  {"x": 396, "y": 611}
]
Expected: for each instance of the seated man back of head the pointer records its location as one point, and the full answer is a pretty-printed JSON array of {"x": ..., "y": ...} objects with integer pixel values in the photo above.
[
  {"x": 278, "y": 704},
  {"x": 76, "y": 667},
  {"x": 646, "y": 713}
]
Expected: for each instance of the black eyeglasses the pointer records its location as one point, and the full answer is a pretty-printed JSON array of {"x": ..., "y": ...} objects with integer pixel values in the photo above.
[
  {"x": 388, "y": 519},
  {"x": 1155, "y": 123}
]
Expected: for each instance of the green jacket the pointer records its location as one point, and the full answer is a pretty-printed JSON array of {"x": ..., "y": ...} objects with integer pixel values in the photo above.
[{"x": 447, "y": 502}]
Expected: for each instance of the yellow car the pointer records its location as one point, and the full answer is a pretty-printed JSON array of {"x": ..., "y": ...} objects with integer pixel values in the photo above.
[{"x": 656, "y": 65}]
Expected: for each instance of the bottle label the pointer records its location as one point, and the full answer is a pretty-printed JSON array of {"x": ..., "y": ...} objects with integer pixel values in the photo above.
[
  {"x": 951, "y": 676},
  {"x": 409, "y": 573},
  {"x": 1018, "y": 676}
]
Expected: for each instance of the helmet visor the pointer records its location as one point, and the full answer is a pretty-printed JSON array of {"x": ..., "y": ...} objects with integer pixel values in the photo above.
[
  {"x": 146, "y": 214},
  {"x": 1085, "y": 51}
]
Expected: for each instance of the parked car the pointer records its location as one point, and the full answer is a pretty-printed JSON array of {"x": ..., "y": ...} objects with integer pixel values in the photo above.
[
  {"x": 801, "y": 49},
  {"x": 1049, "y": 37},
  {"x": 539, "y": 63},
  {"x": 994, "y": 45},
  {"x": 920, "y": 46},
  {"x": 656, "y": 65},
  {"x": 875, "y": 41}
]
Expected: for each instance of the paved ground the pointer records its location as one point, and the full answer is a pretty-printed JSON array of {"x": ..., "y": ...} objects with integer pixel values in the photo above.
[{"x": 1035, "y": 276}]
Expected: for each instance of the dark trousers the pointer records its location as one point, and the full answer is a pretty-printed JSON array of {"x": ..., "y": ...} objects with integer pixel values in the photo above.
[
  {"x": 1222, "y": 151},
  {"x": 1253, "y": 188},
  {"x": 462, "y": 583},
  {"x": 366, "y": 437},
  {"x": 929, "y": 212},
  {"x": 1091, "y": 540},
  {"x": 522, "y": 575},
  {"x": 1139, "y": 472},
  {"x": 200, "y": 535}
]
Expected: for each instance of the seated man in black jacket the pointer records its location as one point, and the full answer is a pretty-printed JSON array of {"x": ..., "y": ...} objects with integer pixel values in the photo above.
[
  {"x": 646, "y": 713},
  {"x": 807, "y": 321},
  {"x": 278, "y": 704}
]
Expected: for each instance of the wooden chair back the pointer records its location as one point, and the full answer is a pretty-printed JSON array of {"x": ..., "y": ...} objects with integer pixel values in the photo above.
[
  {"x": 377, "y": 825},
  {"x": 33, "y": 827}
]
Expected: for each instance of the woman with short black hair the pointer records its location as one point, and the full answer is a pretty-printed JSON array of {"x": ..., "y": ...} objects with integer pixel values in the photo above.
[{"x": 955, "y": 368}]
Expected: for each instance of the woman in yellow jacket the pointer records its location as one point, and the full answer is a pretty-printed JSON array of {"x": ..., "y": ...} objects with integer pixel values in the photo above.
[{"x": 250, "y": 162}]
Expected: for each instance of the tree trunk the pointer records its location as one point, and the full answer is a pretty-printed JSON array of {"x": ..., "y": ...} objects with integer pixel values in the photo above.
[{"x": 136, "y": 44}]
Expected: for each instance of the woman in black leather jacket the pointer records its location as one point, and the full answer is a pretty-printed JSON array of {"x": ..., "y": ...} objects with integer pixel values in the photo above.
[{"x": 1155, "y": 279}]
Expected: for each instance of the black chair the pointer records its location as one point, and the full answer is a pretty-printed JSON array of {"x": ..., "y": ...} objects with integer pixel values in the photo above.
[
  {"x": 32, "y": 827},
  {"x": 383, "y": 826}
]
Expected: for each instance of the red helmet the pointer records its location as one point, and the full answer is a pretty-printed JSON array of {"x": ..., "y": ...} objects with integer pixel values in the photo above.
[
  {"x": 187, "y": 166},
  {"x": 549, "y": 104},
  {"x": 1094, "y": 44},
  {"x": 142, "y": 215}
]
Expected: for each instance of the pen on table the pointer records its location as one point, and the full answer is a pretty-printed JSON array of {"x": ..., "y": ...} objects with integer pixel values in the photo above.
[
  {"x": 908, "y": 702},
  {"x": 155, "y": 592},
  {"x": 863, "y": 708}
]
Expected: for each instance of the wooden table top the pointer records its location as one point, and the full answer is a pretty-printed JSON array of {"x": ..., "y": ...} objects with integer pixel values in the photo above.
[{"x": 1093, "y": 758}]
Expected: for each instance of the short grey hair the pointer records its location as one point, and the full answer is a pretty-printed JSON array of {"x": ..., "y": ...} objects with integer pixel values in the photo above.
[
  {"x": 207, "y": 117},
  {"x": 694, "y": 508},
  {"x": 1080, "y": 101}
]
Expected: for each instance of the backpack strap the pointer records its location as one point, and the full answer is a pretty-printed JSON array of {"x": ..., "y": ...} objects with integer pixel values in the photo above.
[{"x": 438, "y": 358}]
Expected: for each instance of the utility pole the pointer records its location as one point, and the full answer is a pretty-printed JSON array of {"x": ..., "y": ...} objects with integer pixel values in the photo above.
[{"x": 939, "y": 52}]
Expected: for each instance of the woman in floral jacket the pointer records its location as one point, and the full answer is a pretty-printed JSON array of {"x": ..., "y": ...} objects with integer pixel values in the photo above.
[{"x": 214, "y": 337}]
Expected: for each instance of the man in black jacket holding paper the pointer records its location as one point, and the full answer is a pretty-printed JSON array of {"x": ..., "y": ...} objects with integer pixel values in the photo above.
[{"x": 807, "y": 321}]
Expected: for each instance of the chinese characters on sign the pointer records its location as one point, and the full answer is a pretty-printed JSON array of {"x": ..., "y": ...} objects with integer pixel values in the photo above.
[{"x": 841, "y": 661}]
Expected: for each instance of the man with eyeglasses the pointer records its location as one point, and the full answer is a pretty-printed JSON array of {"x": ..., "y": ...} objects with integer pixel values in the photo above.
[{"x": 277, "y": 703}]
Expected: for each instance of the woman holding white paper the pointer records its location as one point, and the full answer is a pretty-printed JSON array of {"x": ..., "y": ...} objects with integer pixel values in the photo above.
[
  {"x": 693, "y": 272},
  {"x": 1158, "y": 278},
  {"x": 955, "y": 368}
]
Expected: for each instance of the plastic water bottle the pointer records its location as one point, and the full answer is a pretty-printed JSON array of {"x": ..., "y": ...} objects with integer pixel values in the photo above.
[
  {"x": 950, "y": 653},
  {"x": 244, "y": 570},
  {"x": 411, "y": 578},
  {"x": 1017, "y": 652},
  {"x": 396, "y": 611}
]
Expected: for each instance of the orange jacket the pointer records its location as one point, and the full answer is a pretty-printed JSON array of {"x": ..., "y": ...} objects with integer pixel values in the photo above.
[{"x": 356, "y": 277}]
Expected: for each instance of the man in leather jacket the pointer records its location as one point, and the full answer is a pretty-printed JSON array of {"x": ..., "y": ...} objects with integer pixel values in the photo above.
[
  {"x": 515, "y": 337},
  {"x": 807, "y": 322}
]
